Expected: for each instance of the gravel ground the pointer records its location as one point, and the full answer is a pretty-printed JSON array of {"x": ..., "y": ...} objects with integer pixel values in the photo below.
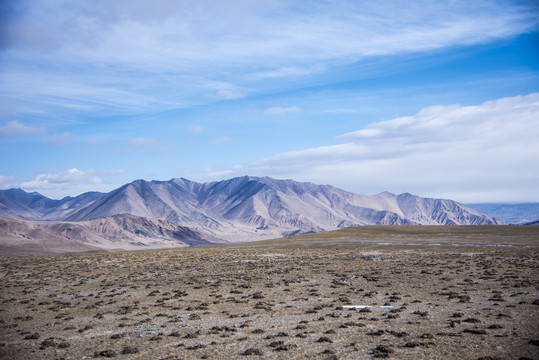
[{"x": 462, "y": 299}]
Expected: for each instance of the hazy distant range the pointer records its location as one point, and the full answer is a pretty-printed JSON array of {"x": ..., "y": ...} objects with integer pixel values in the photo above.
[
  {"x": 180, "y": 212},
  {"x": 517, "y": 214}
]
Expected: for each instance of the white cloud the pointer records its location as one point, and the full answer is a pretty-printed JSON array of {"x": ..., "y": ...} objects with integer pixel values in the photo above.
[
  {"x": 281, "y": 110},
  {"x": 164, "y": 46},
  {"x": 17, "y": 128},
  {"x": 57, "y": 185},
  {"x": 477, "y": 153},
  {"x": 42, "y": 181}
]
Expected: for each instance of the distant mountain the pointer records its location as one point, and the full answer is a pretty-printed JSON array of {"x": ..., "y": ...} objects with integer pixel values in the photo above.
[
  {"x": 518, "y": 214},
  {"x": 118, "y": 232},
  {"x": 18, "y": 204},
  {"x": 248, "y": 208},
  {"x": 253, "y": 208},
  {"x": 69, "y": 205}
]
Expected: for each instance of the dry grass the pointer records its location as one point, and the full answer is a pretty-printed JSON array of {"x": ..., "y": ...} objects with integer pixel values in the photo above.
[{"x": 464, "y": 299}]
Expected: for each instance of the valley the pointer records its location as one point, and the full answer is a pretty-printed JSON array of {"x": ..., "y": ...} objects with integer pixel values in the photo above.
[{"x": 179, "y": 212}]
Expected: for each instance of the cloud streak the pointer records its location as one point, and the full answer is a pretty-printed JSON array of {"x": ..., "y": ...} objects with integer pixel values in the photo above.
[
  {"x": 132, "y": 55},
  {"x": 471, "y": 153},
  {"x": 17, "y": 128}
]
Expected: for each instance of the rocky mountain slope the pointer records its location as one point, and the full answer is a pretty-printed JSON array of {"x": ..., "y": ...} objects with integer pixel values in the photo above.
[
  {"x": 117, "y": 232},
  {"x": 253, "y": 208},
  {"x": 18, "y": 204}
]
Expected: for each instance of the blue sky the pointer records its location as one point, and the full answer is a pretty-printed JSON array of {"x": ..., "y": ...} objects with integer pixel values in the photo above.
[{"x": 436, "y": 98}]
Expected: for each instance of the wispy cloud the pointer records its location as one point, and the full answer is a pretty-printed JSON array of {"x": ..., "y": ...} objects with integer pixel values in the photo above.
[
  {"x": 471, "y": 153},
  {"x": 81, "y": 49},
  {"x": 281, "y": 110},
  {"x": 117, "y": 70},
  {"x": 72, "y": 181},
  {"x": 69, "y": 176},
  {"x": 17, "y": 128},
  {"x": 68, "y": 181},
  {"x": 8, "y": 182}
]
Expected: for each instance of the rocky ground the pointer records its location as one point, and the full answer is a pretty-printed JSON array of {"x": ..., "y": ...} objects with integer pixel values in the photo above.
[{"x": 416, "y": 296}]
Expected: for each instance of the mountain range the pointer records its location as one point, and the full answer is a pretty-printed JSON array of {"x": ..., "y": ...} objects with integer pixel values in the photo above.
[
  {"x": 517, "y": 214},
  {"x": 239, "y": 209}
]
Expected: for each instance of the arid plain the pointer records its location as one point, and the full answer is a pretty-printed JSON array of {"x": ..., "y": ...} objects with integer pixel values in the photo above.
[{"x": 402, "y": 292}]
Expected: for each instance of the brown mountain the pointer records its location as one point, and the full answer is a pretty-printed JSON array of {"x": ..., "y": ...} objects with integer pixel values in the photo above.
[{"x": 118, "y": 232}]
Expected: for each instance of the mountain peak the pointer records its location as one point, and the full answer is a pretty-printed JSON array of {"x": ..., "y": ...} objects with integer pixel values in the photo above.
[{"x": 250, "y": 208}]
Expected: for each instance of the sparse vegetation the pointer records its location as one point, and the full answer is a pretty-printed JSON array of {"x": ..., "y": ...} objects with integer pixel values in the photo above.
[{"x": 278, "y": 299}]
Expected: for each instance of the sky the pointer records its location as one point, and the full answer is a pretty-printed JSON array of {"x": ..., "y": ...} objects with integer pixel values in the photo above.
[{"x": 435, "y": 98}]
